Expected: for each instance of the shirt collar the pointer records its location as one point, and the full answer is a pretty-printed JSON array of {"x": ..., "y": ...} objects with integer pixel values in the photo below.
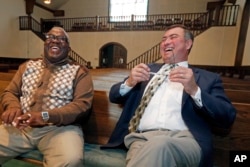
[{"x": 183, "y": 64}]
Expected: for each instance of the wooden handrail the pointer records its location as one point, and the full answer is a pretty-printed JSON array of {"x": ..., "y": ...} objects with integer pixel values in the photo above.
[
  {"x": 197, "y": 22},
  {"x": 75, "y": 56},
  {"x": 227, "y": 17}
]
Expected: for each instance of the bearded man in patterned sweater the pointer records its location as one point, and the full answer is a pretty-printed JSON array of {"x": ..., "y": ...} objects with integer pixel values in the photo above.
[{"x": 42, "y": 104}]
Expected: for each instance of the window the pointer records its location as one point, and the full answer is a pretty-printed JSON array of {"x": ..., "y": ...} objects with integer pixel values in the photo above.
[{"x": 122, "y": 10}]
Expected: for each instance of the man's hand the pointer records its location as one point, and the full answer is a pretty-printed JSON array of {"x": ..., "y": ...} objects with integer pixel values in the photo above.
[
  {"x": 9, "y": 115},
  {"x": 138, "y": 74},
  {"x": 184, "y": 76},
  {"x": 31, "y": 119}
]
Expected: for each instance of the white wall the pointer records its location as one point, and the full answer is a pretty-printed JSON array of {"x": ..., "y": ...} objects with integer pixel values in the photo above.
[
  {"x": 217, "y": 46},
  {"x": 76, "y": 8},
  {"x": 13, "y": 42},
  {"x": 10, "y": 41},
  {"x": 82, "y": 8},
  {"x": 88, "y": 44},
  {"x": 177, "y": 6}
]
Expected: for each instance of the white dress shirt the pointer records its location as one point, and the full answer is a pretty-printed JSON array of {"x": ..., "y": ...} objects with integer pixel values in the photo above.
[{"x": 164, "y": 108}]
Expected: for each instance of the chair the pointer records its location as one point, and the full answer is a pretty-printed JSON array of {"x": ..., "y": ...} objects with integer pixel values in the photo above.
[
  {"x": 188, "y": 23},
  {"x": 178, "y": 21},
  {"x": 90, "y": 25},
  {"x": 198, "y": 24},
  {"x": 168, "y": 22},
  {"x": 159, "y": 23}
]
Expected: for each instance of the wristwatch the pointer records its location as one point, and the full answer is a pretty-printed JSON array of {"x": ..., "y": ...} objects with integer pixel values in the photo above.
[{"x": 45, "y": 116}]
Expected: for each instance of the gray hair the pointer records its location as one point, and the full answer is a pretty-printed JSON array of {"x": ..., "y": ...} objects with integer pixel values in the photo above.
[
  {"x": 187, "y": 33},
  {"x": 65, "y": 33}
]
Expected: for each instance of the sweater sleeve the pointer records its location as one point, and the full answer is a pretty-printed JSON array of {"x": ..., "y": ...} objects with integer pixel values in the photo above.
[{"x": 11, "y": 94}]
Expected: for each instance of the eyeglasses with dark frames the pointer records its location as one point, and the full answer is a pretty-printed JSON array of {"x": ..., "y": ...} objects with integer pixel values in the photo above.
[{"x": 50, "y": 37}]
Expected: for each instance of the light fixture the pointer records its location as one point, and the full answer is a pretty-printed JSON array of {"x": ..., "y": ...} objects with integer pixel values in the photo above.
[{"x": 47, "y": 1}]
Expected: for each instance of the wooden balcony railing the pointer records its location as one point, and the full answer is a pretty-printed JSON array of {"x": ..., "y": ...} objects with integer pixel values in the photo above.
[
  {"x": 227, "y": 16},
  {"x": 197, "y": 22},
  {"x": 127, "y": 23}
]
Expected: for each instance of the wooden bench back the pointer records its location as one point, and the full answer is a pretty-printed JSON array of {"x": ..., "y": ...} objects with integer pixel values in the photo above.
[
  {"x": 105, "y": 114},
  {"x": 102, "y": 120}
]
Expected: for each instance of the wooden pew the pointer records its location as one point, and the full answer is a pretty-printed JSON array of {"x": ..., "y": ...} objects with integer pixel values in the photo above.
[
  {"x": 237, "y": 140},
  {"x": 237, "y": 90},
  {"x": 3, "y": 85},
  {"x": 103, "y": 120},
  {"x": 238, "y": 96},
  {"x": 234, "y": 80},
  {"x": 106, "y": 113},
  {"x": 6, "y": 76},
  {"x": 237, "y": 86},
  {"x": 4, "y": 67}
]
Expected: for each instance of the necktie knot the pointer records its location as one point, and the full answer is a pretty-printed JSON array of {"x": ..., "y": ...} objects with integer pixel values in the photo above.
[{"x": 166, "y": 69}]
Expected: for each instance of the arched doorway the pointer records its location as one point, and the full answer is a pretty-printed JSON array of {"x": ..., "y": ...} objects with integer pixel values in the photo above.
[{"x": 113, "y": 55}]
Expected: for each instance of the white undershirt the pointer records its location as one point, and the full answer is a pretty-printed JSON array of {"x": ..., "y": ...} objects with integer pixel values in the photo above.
[{"x": 164, "y": 109}]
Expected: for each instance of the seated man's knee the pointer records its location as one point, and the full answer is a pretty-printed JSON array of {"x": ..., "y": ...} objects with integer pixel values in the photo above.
[
  {"x": 163, "y": 142},
  {"x": 71, "y": 160}
]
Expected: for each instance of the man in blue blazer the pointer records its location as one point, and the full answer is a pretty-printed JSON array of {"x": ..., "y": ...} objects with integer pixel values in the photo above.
[{"x": 175, "y": 127}]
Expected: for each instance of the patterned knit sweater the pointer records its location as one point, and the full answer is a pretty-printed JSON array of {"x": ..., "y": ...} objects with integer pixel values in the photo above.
[{"x": 65, "y": 90}]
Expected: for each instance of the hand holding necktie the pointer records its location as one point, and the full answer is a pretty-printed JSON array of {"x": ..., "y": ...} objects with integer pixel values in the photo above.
[{"x": 154, "y": 84}]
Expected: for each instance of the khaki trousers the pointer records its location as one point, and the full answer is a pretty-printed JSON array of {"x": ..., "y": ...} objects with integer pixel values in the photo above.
[
  {"x": 61, "y": 146},
  {"x": 162, "y": 149}
]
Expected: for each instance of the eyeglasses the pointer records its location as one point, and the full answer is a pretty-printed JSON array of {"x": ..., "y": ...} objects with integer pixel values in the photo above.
[{"x": 51, "y": 37}]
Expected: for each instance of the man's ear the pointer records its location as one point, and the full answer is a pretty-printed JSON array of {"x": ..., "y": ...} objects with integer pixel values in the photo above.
[{"x": 189, "y": 44}]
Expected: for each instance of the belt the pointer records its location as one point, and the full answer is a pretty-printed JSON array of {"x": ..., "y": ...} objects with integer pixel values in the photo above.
[{"x": 148, "y": 130}]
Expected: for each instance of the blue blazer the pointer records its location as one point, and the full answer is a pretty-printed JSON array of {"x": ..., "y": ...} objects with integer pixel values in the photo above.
[{"x": 217, "y": 111}]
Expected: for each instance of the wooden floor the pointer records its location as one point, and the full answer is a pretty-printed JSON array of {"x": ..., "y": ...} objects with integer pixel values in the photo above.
[
  {"x": 237, "y": 90},
  {"x": 104, "y": 78}
]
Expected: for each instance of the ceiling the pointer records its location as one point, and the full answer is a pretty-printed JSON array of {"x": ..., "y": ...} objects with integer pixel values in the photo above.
[{"x": 55, "y": 4}]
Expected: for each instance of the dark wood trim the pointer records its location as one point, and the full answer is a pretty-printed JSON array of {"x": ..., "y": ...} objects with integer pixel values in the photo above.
[
  {"x": 242, "y": 34},
  {"x": 44, "y": 7},
  {"x": 30, "y": 7},
  {"x": 55, "y": 12},
  {"x": 214, "y": 5},
  {"x": 231, "y": 1},
  {"x": 29, "y": 4}
]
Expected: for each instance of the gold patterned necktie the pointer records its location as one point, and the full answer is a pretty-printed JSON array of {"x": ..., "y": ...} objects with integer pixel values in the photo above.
[{"x": 154, "y": 84}]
